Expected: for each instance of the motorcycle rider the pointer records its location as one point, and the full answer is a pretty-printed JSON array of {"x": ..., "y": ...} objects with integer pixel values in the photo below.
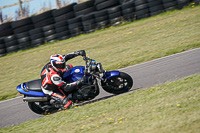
[{"x": 52, "y": 83}]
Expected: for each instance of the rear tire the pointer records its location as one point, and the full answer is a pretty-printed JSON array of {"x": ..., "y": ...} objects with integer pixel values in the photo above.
[
  {"x": 36, "y": 108},
  {"x": 118, "y": 84}
]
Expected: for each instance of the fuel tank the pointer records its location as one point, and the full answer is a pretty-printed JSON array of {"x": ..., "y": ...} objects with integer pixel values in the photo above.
[{"x": 74, "y": 74}]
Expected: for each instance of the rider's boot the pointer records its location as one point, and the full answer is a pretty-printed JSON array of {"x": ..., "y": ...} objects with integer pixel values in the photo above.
[
  {"x": 62, "y": 100},
  {"x": 66, "y": 103}
]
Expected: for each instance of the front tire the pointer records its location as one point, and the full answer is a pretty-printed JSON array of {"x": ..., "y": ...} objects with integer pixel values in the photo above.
[{"x": 118, "y": 84}]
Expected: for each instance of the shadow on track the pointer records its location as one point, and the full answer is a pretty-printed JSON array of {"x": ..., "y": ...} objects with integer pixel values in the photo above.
[{"x": 104, "y": 98}]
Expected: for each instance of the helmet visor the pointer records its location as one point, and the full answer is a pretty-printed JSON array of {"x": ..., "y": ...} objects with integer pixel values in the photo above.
[{"x": 59, "y": 66}]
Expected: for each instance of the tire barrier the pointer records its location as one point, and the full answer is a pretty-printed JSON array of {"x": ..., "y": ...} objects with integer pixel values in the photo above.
[
  {"x": 169, "y": 5},
  {"x": 155, "y": 7},
  {"x": 22, "y": 25},
  {"x": 115, "y": 15},
  {"x": 62, "y": 30},
  {"x": 64, "y": 13},
  {"x": 85, "y": 8},
  {"x": 89, "y": 23},
  {"x": 105, "y": 4},
  {"x": 75, "y": 19},
  {"x": 6, "y": 29},
  {"x": 43, "y": 19},
  {"x": 102, "y": 19},
  {"x": 141, "y": 9},
  {"x": 75, "y": 26},
  {"x": 36, "y": 37},
  {"x": 2, "y": 47},
  {"x": 49, "y": 33},
  {"x": 24, "y": 40},
  {"x": 182, "y": 3},
  {"x": 128, "y": 11},
  {"x": 11, "y": 44}
]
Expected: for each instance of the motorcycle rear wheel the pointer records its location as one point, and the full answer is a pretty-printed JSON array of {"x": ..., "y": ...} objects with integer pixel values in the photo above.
[
  {"x": 36, "y": 108},
  {"x": 118, "y": 84}
]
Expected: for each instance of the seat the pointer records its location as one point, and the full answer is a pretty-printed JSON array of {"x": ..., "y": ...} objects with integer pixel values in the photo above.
[{"x": 34, "y": 85}]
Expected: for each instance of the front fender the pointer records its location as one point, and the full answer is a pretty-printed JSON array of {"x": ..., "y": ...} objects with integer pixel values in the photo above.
[{"x": 110, "y": 74}]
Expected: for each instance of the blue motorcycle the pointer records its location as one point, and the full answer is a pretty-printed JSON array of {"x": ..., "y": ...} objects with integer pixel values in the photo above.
[{"x": 114, "y": 82}]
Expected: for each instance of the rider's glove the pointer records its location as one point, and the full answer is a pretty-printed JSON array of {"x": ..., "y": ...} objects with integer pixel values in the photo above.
[
  {"x": 82, "y": 52},
  {"x": 81, "y": 81}
]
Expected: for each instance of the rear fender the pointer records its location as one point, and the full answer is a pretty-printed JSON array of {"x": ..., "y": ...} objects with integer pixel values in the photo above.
[
  {"x": 23, "y": 90},
  {"x": 110, "y": 74}
]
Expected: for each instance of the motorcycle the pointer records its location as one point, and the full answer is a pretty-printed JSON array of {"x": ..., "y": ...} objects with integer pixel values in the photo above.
[{"x": 114, "y": 82}]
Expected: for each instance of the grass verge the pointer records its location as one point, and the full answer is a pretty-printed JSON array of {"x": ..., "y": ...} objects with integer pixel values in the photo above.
[
  {"x": 172, "y": 107},
  {"x": 114, "y": 47}
]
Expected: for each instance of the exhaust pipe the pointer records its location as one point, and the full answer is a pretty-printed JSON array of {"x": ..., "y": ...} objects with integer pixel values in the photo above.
[{"x": 35, "y": 99}]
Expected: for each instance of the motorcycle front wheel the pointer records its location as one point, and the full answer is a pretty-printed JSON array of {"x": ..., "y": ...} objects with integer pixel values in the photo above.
[{"x": 118, "y": 84}]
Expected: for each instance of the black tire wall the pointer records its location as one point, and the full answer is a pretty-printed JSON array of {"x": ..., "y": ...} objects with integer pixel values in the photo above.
[
  {"x": 75, "y": 19},
  {"x": 6, "y": 29},
  {"x": 85, "y": 8}
]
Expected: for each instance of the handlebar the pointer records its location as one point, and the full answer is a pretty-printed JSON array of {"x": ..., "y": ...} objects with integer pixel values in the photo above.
[
  {"x": 91, "y": 66},
  {"x": 85, "y": 58}
]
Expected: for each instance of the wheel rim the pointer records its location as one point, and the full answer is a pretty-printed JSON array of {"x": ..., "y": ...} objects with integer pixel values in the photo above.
[{"x": 118, "y": 83}]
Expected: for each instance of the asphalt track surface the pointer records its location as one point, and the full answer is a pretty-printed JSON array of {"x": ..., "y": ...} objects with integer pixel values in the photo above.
[{"x": 148, "y": 74}]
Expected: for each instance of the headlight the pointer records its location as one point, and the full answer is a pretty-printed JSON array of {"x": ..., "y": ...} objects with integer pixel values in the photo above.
[{"x": 93, "y": 65}]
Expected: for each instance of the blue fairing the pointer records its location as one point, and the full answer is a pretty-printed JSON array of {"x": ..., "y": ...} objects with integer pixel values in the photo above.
[
  {"x": 110, "y": 74},
  {"x": 74, "y": 74},
  {"x": 25, "y": 91}
]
